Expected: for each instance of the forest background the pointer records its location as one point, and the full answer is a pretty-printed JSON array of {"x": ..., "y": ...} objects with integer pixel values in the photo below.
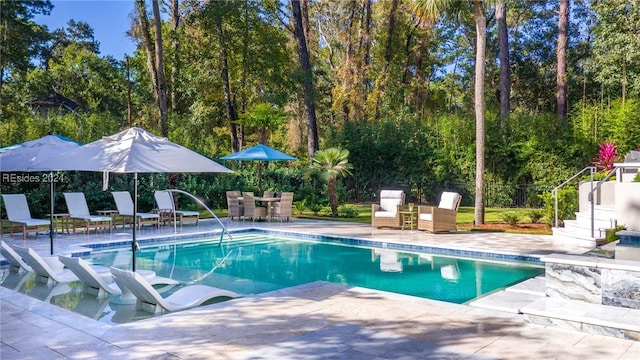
[{"x": 406, "y": 86}]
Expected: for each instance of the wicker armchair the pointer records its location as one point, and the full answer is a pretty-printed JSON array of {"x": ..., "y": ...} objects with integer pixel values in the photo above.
[
  {"x": 441, "y": 218},
  {"x": 386, "y": 214}
]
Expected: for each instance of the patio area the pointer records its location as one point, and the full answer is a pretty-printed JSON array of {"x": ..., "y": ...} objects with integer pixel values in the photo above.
[{"x": 318, "y": 320}]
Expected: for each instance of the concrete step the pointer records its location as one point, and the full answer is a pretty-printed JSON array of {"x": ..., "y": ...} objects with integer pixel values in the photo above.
[
  {"x": 513, "y": 298},
  {"x": 599, "y": 222},
  {"x": 591, "y": 318},
  {"x": 567, "y": 237},
  {"x": 583, "y": 230}
]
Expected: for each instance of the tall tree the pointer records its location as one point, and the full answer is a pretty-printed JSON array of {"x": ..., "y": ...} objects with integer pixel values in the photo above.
[
  {"x": 561, "y": 58},
  {"x": 20, "y": 38},
  {"x": 433, "y": 8},
  {"x": 505, "y": 66},
  {"x": 307, "y": 79},
  {"x": 154, "y": 57},
  {"x": 175, "y": 64}
]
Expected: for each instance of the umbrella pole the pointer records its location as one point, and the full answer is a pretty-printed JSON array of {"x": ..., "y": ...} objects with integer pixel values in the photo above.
[
  {"x": 52, "y": 205},
  {"x": 134, "y": 244}
]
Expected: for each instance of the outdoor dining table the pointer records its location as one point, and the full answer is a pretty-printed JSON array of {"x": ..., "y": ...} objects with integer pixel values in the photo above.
[{"x": 269, "y": 201}]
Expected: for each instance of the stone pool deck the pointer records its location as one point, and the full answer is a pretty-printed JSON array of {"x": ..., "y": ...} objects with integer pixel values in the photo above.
[{"x": 319, "y": 320}]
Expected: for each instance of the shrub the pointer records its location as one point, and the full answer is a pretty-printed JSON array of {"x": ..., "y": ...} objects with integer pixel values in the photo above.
[
  {"x": 510, "y": 217},
  {"x": 348, "y": 212},
  {"x": 535, "y": 215},
  {"x": 567, "y": 205},
  {"x": 315, "y": 208},
  {"x": 611, "y": 234},
  {"x": 300, "y": 206}
]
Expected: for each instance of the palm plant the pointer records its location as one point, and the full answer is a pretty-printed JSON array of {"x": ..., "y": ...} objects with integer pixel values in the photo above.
[{"x": 329, "y": 164}]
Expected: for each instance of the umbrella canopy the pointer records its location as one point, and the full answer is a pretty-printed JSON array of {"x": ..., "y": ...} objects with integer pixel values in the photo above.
[
  {"x": 134, "y": 151},
  {"x": 259, "y": 152},
  {"x": 27, "y": 157}
]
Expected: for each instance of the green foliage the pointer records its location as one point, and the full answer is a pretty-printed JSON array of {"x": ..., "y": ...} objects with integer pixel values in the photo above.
[
  {"x": 567, "y": 205},
  {"x": 315, "y": 208},
  {"x": 511, "y": 218},
  {"x": 611, "y": 234},
  {"x": 348, "y": 211},
  {"x": 300, "y": 206},
  {"x": 535, "y": 215}
]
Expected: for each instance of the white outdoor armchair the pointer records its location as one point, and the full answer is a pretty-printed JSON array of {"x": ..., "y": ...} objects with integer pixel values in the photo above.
[
  {"x": 386, "y": 214},
  {"x": 79, "y": 213},
  {"x": 441, "y": 218}
]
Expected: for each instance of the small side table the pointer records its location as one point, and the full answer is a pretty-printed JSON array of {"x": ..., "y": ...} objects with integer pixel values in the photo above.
[
  {"x": 166, "y": 215},
  {"x": 112, "y": 214},
  {"x": 407, "y": 218},
  {"x": 65, "y": 221}
]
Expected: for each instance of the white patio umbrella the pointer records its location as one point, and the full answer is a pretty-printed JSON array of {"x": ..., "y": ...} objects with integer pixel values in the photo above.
[
  {"x": 134, "y": 151},
  {"x": 27, "y": 156}
]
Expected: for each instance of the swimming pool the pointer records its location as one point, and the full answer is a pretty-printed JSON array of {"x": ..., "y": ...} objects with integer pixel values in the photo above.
[
  {"x": 254, "y": 263},
  {"x": 257, "y": 263}
]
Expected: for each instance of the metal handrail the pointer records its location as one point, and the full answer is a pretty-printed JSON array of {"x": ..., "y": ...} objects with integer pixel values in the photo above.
[
  {"x": 590, "y": 197},
  {"x": 554, "y": 192},
  {"x": 224, "y": 229}
]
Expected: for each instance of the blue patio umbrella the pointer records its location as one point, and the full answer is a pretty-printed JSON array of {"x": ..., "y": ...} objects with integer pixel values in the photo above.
[{"x": 259, "y": 153}]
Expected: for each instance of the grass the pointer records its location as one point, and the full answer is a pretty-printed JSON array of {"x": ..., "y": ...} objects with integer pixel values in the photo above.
[{"x": 465, "y": 216}]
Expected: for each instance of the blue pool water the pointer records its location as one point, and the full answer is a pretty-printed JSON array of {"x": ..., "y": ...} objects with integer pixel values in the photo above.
[
  {"x": 257, "y": 263},
  {"x": 254, "y": 263}
]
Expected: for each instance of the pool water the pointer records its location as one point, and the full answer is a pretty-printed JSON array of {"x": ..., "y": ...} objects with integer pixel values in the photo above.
[{"x": 257, "y": 263}]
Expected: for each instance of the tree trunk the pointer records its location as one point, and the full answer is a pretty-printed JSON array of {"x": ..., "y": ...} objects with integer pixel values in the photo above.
[
  {"x": 505, "y": 68},
  {"x": 148, "y": 46},
  {"x": 561, "y": 57},
  {"x": 175, "y": 22},
  {"x": 232, "y": 115},
  {"x": 366, "y": 84},
  {"x": 333, "y": 198},
  {"x": 390, "y": 33},
  {"x": 162, "y": 82},
  {"x": 307, "y": 81},
  {"x": 481, "y": 33}
]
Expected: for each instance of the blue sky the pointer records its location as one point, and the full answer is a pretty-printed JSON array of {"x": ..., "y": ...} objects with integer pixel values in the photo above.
[{"x": 108, "y": 18}]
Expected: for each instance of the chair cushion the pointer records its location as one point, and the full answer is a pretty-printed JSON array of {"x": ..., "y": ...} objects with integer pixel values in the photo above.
[
  {"x": 384, "y": 214},
  {"x": 448, "y": 200},
  {"x": 427, "y": 217},
  {"x": 390, "y": 199}
]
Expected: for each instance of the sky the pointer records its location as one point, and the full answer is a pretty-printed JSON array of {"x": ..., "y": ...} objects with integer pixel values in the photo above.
[{"x": 108, "y": 18}]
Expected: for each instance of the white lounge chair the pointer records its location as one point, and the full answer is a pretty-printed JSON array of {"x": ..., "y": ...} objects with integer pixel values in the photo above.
[
  {"x": 15, "y": 261},
  {"x": 150, "y": 300},
  {"x": 49, "y": 269},
  {"x": 167, "y": 208},
  {"x": 79, "y": 212},
  {"x": 18, "y": 214},
  {"x": 124, "y": 203},
  {"x": 94, "y": 283}
]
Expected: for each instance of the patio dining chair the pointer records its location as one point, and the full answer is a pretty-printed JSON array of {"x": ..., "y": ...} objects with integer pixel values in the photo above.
[
  {"x": 283, "y": 209},
  {"x": 235, "y": 209},
  {"x": 251, "y": 211}
]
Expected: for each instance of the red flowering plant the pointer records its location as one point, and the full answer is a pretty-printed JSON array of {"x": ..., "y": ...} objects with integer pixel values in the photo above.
[{"x": 606, "y": 156}]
